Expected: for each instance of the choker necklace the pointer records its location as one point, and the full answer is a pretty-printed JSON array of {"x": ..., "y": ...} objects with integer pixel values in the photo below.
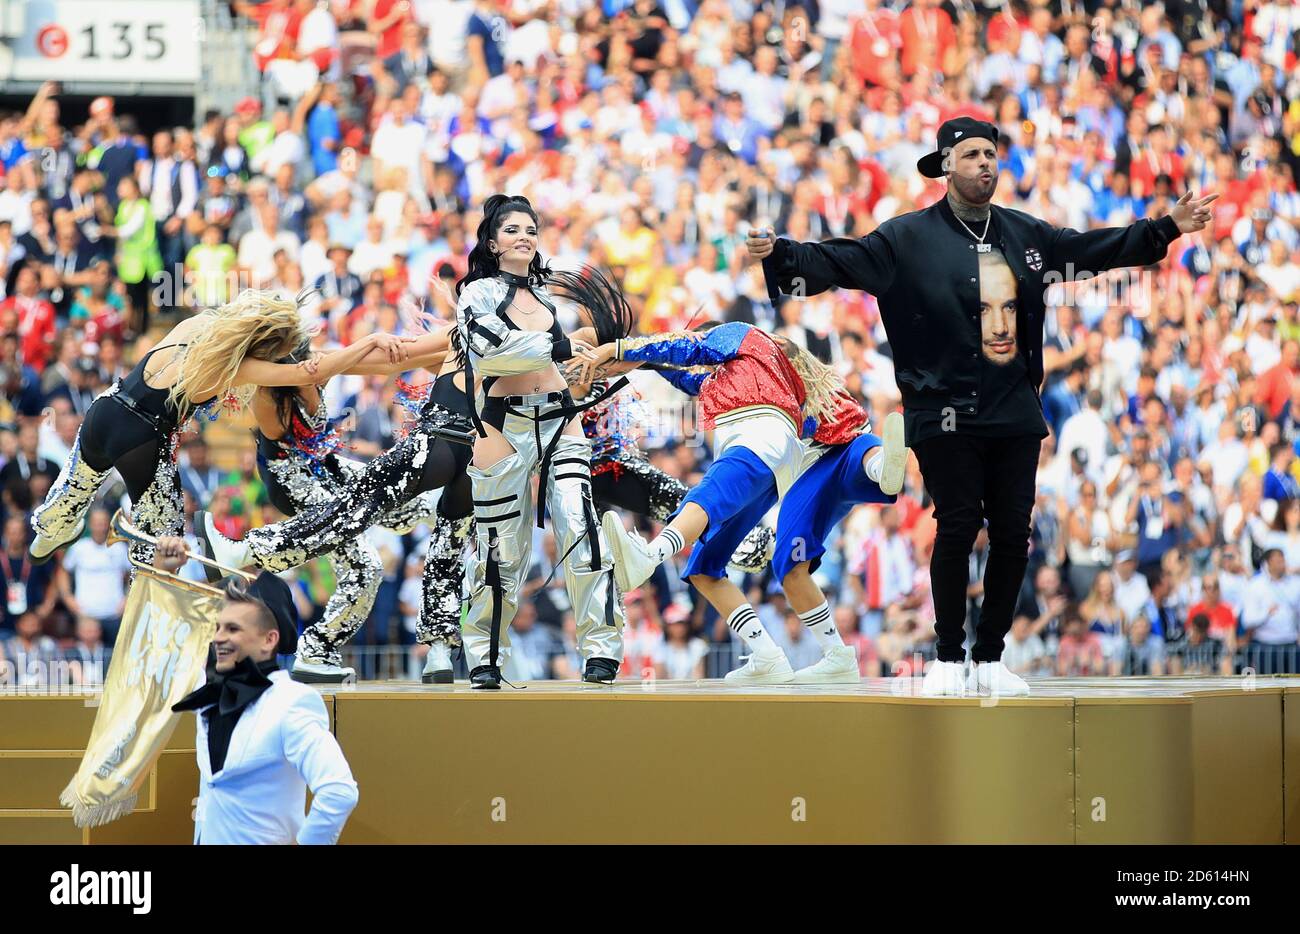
[{"x": 524, "y": 281}]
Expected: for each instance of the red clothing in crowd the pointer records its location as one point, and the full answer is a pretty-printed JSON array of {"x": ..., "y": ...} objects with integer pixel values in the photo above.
[
  {"x": 277, "y": 34},
  {"x": 1274, "y": 389},
  {"x": 874, "y": 40},
  {"x": 927, "y": 36},
  {"x": 36, "y": 325},
  {"x": 1080, "y": 656},
  {"x": 390, "y": 40},
  {"x": 1147, "y": 167},
  {"x": 107, "y": 322},
  {"x": 1223, "y": 622},
  {"x": 1005, "y": 28}
]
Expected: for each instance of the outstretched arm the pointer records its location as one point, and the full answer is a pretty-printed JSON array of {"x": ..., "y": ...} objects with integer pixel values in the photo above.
[
  {"x": 803, "y": 269},
  {"x": 427, "y": 352},
  {"x": 1074, "y": 254},
  {"x": 319, "y": 369}
]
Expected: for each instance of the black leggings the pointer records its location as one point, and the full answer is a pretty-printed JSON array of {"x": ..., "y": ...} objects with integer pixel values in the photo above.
[
  {"x": 114, "y": 436},
  {"x": 417, "y": 464}
]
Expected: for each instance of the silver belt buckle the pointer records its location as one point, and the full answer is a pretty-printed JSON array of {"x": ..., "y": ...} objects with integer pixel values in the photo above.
[{"x": 536, "y": 398}]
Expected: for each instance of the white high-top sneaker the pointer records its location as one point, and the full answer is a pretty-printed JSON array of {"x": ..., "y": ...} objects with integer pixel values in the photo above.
[
  {"x": 321, "y": 673},
  {"x": 994, "y": 679},
  {"x": 838, "y": 666},
  {"x": 225, "y": 551},
  {"x": 633, "y": 563},
  {"x": 945, "y": 679},
  {"x": 762, "y": 669},
  {"x": 894, "y": 471},
  {"x": 437, "y": 664}
]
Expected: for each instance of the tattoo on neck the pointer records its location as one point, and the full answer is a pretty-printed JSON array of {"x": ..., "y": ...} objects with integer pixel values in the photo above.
[{"x": 966, "y": 211}]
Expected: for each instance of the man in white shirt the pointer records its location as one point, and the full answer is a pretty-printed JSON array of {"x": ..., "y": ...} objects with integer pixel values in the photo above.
[
  {"x": 1272, "y": 616},
  {"x": 99, "y": 573},
  {"x": 1132, "y": 592},
  {"x": 399, "y": 143},
  {"x": 1085, "y": 429},
  {"x": 263, "y": 739},
  {"x": 372, "y": 253},
  {"x": 257, "y": 249},
  {"x": 447, "y": 24}
]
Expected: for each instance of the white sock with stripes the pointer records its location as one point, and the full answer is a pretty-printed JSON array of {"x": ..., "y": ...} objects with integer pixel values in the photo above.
[
  {"x": 667, "y": 544},
  {"x": 823, "y": 629},
  {"x": 875, "y": 466},
  {"x": 743, "y": 621}
]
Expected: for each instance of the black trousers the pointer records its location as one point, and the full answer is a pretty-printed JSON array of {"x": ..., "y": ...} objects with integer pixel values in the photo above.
[{"x": 973, "y": 479}]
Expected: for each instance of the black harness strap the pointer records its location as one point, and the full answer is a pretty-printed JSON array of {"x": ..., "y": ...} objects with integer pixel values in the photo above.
[{"x": 493, "y": 580}]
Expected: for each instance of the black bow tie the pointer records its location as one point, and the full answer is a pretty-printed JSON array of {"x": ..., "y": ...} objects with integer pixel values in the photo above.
[{"x": 233, "y": 690}]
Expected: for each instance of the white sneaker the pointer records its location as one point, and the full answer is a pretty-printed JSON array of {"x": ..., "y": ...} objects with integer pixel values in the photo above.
[
  {"x": 945, "y": 679},
  {"x": 437, "y": 664},
  {"x": 994, "y": 679},
  {"x": 762, "y": 669},
  {"x": 224, "y": 551},
  {"x": 42, "y": 548},
  {"x": 894, "y": 471},
  {"x": 633, "y": 563},
  {"x": 321, "y": 673},
  {"x": 838, "y": 666}
]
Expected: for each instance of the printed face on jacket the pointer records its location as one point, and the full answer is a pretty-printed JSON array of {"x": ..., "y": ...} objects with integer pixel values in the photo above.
[{"x": 997, "y": 309}]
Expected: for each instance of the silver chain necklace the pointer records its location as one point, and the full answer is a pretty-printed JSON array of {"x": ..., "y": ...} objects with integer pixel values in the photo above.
[{"x": 981, "y": 247}]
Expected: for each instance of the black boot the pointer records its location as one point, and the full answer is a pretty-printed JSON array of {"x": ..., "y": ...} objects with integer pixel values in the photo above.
[
  {"x": 485, "y": 678},
  {"x": 600, "y": 671}
]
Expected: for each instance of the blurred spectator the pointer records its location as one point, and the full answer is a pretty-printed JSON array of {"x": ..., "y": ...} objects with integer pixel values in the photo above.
[
  {"x": 88, "y": 658},
  {"x": 1271, "y": 614},
  {"x": 94, "y": 576},
  {"x": 27, "y": 585}
]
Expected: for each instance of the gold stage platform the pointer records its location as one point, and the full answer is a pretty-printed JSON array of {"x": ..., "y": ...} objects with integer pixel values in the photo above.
[{"x": 1166, "y": 760}]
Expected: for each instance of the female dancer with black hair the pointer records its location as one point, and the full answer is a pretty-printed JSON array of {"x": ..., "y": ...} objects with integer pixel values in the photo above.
[
  {"x": 428, "y": 458},
  {"x": 214, "y": 358},
  {"x": 507, "y": 332}
]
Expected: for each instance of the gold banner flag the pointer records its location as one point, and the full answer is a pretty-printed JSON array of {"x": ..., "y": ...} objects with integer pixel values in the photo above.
[{"x": 159, "y": 657}]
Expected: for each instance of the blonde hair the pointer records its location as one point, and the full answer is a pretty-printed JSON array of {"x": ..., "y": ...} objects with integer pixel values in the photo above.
[
  {"x": 262, "y": 325},
  {"x": 821, "y": 383}
]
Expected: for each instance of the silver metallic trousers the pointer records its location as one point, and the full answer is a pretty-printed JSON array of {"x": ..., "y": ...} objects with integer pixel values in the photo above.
[
  {"x": 358, "y": 571},
  {"x": 503, "y": 511}
]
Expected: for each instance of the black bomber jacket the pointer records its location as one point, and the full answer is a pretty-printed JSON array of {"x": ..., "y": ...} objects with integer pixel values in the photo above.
[{"x": 924, "y": 271}]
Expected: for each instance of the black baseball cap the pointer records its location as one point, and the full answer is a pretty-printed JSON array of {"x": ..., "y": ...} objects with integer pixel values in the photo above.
[{"x": 950, "y": 134}]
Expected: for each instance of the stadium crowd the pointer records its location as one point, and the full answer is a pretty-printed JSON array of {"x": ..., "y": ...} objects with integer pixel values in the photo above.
[{"x": 651, "y": 134}]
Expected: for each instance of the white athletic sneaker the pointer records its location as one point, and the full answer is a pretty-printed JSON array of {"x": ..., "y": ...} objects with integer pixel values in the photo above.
[
  {"x": 225, "y": 551},
  {"x": 42, "y": 548},
  {"x": 633, "y": 563},
  {"x": 762, "y": 669},
  {"x": 994, "y": 679},
  {"x": 894, "y": 471},
  {"x": 838, "y": 666},
  {"x": 945, "y": 679},
  {"x": 321, "y": 673},
  {"x": 437, "y": 664}
]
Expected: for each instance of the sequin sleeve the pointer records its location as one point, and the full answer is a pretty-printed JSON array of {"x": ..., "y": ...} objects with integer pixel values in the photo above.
[
  {"x": 688, "y": 381},
  {"x": 687, "y": 348},
  {"x": 495, "y": 348}
]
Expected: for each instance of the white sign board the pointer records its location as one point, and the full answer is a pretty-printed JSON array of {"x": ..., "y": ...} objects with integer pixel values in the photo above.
[{"x": 151, "y": 41}]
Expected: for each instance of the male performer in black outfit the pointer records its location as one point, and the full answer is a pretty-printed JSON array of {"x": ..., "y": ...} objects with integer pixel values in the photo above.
[{"x": 960, "y": 286}]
